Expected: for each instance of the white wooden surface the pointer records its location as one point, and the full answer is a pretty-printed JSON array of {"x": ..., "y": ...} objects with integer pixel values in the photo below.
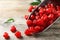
[{"x": 17, "y": 9}]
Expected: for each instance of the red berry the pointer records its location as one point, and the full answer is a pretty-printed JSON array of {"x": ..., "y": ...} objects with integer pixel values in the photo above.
[
  {"x": 45, "y": 18},
  {"x": 41, "y": 15},
  {"x": 32, "y": 17},
  {"x": 28, "y": 32},
  {"x": 40, "y": 22},
  {"x": 48, "y": 10},
  {"x": 36, "y": 13},
  {"x": 58, "y": 8},
  {"x": 49, "y": 5},
  {"x": 31, "y": 29},
  {"x": 13, "y": 29},
  {"x": 30, "y": 8},
  {"x": 26, "y": 17},
  {"x": 37, "y": 17},
  {"x": 46, "y": 6},
  {"x": 34, "y": 22},
  {"x": 18, "y": 34},
  {"x": 5, "y": 35},
  {"x": 51, "y": 16},
  {"x": 52, "y": 6},
  {"x": 29, "y": 22},
  {"x": 38, "y": 28},
  {"x": 41, "y": 11}
]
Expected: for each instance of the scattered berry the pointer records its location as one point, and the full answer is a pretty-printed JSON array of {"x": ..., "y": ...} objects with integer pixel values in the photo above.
[
  {"x": 18, "y": 34},
  {"x": 5, "y": 35},
  {"x": 26, "y": 17},
  {"x": 13, "y": 29},
  {"x": 30, "y": 8}
]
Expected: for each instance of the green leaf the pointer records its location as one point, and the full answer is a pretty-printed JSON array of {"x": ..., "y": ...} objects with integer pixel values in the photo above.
[
  {"x": 10, "y": 20},
  {"x": 35, "y": 3},
  {"x": 39, "y": 0}
]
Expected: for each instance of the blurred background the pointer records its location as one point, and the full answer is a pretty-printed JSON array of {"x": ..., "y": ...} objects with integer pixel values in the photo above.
[{"x": 11, "y": 8}]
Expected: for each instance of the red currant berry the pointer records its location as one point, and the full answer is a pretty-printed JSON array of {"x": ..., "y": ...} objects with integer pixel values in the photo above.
[
  {"x": 41, "y": 11},
  {"x": 36, "y": 13},
  {"x": 28, "y": 32},
  {"x": 34, "y": 22},
  {"x": 26, "y": 17},
  {"x": 31, "y": 29},
  {"x": 48, "y": 10},
  {"x": 30, "y": 9},
  {"x": 32, "y": 17},
  {"x": 5, "y": 35},
  {"x": 40, "y": 22},
  {"x": 13, "y": 29},
  {"x": 44, "y": 17},
  {"x": 38, "y": 28},
  {"x": 29, "y": 22},
  {"x": 51, "y": 16},
  {"x": 37, "y": 17},
  {"x": 18, "y": 34}
]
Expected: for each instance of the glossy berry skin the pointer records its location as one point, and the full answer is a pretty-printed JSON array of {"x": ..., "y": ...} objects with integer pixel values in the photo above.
[
  {"x": 29, "y": 22},
  {"x": 40, "y": 15},
  {"x": 40, "y": 22},
  {"x": 45, "y": 18},
  {"x": 32, "y": 30},
  {"x": 18, "y": 34},
  {"x": 27, "y": 32},
  {"x": 41, "y": 11},
  {"x": 38, "y": 28},
  {"x": 37, "y": 17},
  {"x": 26, "y": 17},
  {"x": 34, "y": 22},
  {"x": 5, "y": 35},
  {"x": 36, "y": 13},
  {"x": 13, "y": 29},
  {"x": 48, "y": 10},
  {"x": 32, "y": 17},
  {"x": 51, "y": 17},
  {"x": 30, "y": 9}
]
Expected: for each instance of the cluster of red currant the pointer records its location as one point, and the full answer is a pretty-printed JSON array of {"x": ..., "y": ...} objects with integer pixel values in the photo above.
[
  {"x": 13, "y": 30},
  {"x": 43, "y": 17}
]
